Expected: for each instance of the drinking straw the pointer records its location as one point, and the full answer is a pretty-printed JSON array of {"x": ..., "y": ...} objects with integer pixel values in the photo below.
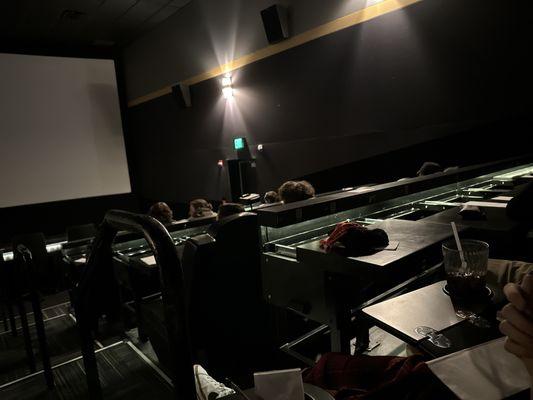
[{"x": 459, "y": 247}]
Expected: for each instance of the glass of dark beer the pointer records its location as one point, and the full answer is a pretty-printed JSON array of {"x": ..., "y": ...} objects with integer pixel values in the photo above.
[
  {"x": 466, "y": 283},
  {"x": 468, "y": 280}
]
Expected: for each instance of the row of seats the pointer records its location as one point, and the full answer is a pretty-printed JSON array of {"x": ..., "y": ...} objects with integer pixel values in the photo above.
[
  {"x": 47, "y": 274},
  {"x": 228, "y": 318},
  {"x": 222, "y": 297},
  {"x": 222, "y": 288}
]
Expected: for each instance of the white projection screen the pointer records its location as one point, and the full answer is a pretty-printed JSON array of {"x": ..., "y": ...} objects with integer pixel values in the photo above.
[{"x": 60, "y": 130}]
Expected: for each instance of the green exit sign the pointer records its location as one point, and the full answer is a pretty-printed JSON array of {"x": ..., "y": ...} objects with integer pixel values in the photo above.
[{"x": 238, "y": 143}]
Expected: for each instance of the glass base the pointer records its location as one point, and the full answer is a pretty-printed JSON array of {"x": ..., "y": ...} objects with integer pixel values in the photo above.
[{"x": 488, "y": 293}]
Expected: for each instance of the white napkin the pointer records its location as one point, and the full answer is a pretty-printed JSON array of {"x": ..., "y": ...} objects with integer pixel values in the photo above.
[
  {"x": 486, "y": 371},
  {"x": 502, "y": 198},
  {"x": 279, "y": 385},
  {"x": 150, "y": 260},
  {"x": 491, "y": 204}
]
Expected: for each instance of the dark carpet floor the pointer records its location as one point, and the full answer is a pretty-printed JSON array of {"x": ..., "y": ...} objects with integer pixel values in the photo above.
[
  {"x": 123, "y": 375},
  {"x": 63, "y": 344},
  {"x": 51, "y": 305}
]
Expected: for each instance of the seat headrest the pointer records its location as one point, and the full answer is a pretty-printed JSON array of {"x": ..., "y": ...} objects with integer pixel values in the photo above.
[
  {"x": 196, "y": 249},
  {"x": 233, "y": 224},
  {"x": 520, "y": 207},
  {"x": 201, "y": 239}
]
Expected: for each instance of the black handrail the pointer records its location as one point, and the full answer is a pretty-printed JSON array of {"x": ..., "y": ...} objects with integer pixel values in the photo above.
[{"x": 171, "y": 276}]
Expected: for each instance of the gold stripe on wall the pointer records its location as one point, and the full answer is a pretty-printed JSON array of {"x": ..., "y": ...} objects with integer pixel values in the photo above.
[
  {"x": 347, "y": 21},
  {"x": 150, "y": 96}
]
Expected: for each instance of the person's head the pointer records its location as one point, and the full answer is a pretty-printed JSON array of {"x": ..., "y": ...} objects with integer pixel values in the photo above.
[
  {"x": 227, "y": 209},
  {"x": 292, "y": 191},
  {"x": 200, "y": 208},
  {"x": 271, "y": 197},
  {"x": 428, "y": 168},
  {"x": 161, "y": 211}
]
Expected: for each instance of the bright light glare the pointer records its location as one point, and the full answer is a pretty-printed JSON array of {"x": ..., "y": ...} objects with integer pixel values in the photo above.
[
  {"x": 227, "y": 92},
  {"x": 226, "y": 81}
]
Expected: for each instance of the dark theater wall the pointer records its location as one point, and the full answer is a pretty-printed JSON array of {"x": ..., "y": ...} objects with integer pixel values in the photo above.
[{"x": 414, "y": 76}]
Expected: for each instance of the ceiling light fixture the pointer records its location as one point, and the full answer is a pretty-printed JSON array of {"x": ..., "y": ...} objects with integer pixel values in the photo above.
[
  {"x": 227, "y": 88},
  {"x": 226, "y": 81},
  {"x": 227, "y": 92}
]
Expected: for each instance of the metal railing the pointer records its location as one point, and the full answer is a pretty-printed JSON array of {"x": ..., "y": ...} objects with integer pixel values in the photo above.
[{"x": 86, "y": 296}]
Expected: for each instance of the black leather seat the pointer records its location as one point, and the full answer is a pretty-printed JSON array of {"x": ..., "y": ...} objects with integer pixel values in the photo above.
[
  {"x": 224, "y": 300},
  {"x": 48, "y": 277},
  {"x": 20, "y": 282},
  {"x": 79, "y": 232},
  {"x": 12, "y": 289},
  {"x": 6, "y": 310}
]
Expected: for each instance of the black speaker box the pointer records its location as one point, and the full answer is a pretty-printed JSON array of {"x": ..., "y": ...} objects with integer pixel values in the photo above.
[
  {"x": 276, "y": 23},
  {"x": 182, "y": 94}
]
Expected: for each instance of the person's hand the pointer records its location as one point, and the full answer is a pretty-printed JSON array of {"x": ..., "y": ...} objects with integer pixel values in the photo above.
[{"x": 517, "y": 323}]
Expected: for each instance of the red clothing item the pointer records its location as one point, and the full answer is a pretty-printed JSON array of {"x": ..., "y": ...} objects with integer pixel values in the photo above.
[
  {"x": 376, "y": 377},
  {"x": 339, "y": 231}
]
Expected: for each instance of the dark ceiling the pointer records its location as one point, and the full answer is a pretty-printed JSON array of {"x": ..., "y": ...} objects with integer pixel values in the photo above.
[{"x": 74, "y": 23}]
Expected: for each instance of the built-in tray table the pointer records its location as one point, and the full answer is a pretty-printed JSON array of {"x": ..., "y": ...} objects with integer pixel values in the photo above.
[
  {"x": 429, "y": 307},
  {"x": 413, "y": 237}
]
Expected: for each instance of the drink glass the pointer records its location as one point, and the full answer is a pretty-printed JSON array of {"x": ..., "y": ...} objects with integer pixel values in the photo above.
[
  {"x": 469, "y": 281},
  {"x": 466, "y": 284}
]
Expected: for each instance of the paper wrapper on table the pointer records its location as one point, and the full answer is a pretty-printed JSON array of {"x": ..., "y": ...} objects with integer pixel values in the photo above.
[
  {"x": 279, "y": 385},
  {"x": 487, "y": 372}
]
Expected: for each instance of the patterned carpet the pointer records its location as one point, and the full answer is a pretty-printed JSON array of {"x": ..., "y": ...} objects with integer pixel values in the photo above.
[
  {"x": 123, "y": 375},
  {"x": 49, "y": 312},
  {"x": 63, "y": 345}
]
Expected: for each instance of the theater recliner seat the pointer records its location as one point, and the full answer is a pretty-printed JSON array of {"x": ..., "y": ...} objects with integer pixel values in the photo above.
[
  {"x": 227, "y": 316},
  {"x": 49, "y": 276},
  {"x": 79, "y": 232}
]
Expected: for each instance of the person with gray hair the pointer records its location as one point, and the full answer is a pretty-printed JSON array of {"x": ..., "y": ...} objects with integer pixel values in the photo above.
[{"x": 200, "y": 208}]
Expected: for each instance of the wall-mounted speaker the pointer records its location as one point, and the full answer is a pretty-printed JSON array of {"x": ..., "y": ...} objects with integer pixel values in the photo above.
[
  {"x": 182, "y": 94},
  {"x": 275, "y": 21}
]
